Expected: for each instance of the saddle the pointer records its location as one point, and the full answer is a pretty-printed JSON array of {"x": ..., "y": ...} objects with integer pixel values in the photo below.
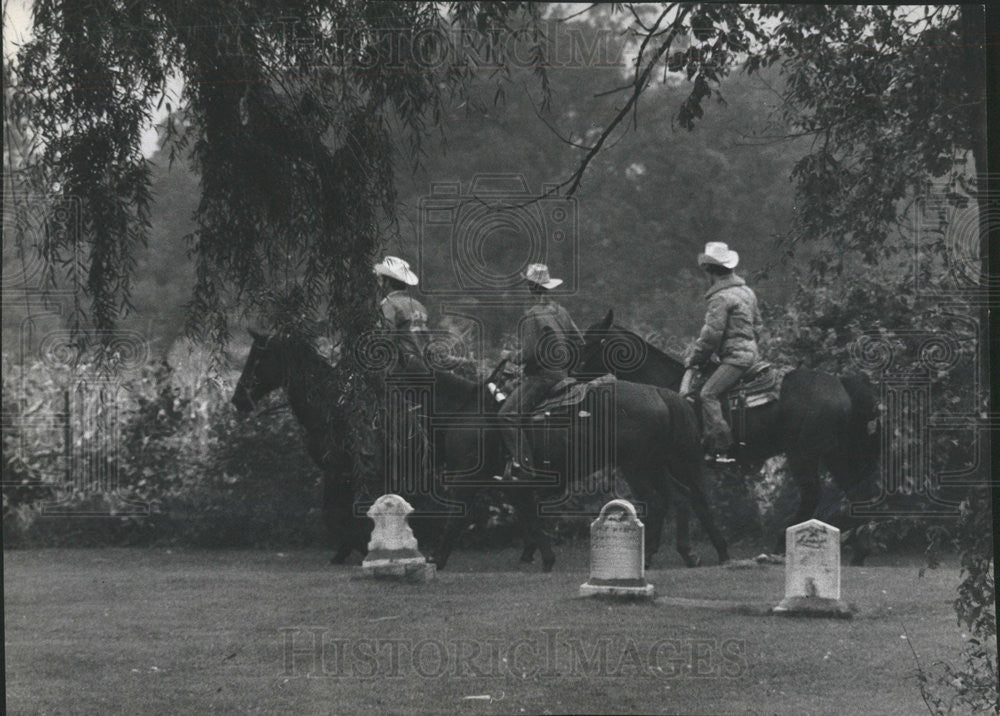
[
  {"x": 760, "y": 385},
  {"x": 569, "y": 392}
]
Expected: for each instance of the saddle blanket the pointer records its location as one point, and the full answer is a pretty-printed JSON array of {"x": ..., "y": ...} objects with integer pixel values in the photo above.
[
  {"x": 570, "y": 391},
  {"x": 762, "y": 388}
]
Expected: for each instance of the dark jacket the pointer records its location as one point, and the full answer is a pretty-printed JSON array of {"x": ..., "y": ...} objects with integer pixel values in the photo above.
[
  {"x": 732, "y": 327},
  {"x": 550, "y": 340}
]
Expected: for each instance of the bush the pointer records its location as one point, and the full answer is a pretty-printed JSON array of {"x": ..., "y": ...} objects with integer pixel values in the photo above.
[{"x": 188, "y": 469}]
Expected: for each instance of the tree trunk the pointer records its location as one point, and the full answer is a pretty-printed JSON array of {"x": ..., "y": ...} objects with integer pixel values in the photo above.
[{"x": 975, "y": 48}]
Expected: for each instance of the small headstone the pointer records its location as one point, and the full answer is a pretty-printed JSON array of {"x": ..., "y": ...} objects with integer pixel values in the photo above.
[
  {"x": 392, "y": 550},
  {"x": 617, "y": 554},
  {"x": 812, "y": 572}
]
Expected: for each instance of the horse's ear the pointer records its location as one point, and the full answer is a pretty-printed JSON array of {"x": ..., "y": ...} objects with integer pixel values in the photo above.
[{"x": 608, "y": 320}]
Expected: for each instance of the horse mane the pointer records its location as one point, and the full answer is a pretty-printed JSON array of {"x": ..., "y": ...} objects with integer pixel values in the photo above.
[{"x": 651, "y": 349}]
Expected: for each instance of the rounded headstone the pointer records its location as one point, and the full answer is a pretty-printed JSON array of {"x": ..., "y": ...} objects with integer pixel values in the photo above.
[
  {"x": 617, "y": 553},
  {"x": 392, "y": 550}
]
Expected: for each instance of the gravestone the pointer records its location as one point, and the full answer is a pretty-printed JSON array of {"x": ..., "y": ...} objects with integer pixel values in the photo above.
[
  {"x": 812, "y": 572},
  {"x": 617, "y": 554},
  {"x": 392, "y": 550}
]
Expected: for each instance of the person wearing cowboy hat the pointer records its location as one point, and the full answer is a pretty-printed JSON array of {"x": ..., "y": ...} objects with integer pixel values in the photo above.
[
  {"x": 731, "y": 333},
  {"x": 404, "y": 315},
  {"x": 549, "y": 337}
]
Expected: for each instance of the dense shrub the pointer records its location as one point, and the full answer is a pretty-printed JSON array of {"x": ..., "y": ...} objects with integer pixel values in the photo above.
[{"x": 189, "y": 470}]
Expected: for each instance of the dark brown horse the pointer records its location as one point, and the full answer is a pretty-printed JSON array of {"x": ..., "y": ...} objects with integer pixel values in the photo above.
[
  {"x": 311, "y": 385},
  {"x": 292, "y": 365},
  {"x": 820, "y": 420},
  {"x": 655, "y": 438}
]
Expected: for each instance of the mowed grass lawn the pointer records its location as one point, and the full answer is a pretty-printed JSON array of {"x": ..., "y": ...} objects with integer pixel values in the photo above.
[{"x": 156, "y": 631}]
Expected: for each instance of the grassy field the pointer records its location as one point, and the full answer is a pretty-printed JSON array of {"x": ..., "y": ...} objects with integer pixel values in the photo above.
[{"x": 155, "y": 631}]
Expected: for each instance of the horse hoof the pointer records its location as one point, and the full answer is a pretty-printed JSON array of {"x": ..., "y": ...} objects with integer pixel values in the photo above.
[
  {"x": 548, "y": 563},
  {"x": 527, "y": 560},
  {"x": 691, "y": 560}
]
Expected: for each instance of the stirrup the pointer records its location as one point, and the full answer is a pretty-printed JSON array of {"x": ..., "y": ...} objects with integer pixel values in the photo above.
[
  {"x": 720, "y": 457},
  {"x": 508, "y": 473}
]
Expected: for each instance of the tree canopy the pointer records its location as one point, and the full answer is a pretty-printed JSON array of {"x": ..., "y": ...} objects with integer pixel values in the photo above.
[
  {"x": 893, "y": 98},
  {"x": 298, "y": 113}
]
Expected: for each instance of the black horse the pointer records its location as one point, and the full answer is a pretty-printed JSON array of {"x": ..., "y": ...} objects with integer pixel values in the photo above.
[
  {"x": 291, "y": 364},
  {"x": 655, "y": 436},
  {"x": 819, "y": 420},
  {"x": 310, "y": 382}
]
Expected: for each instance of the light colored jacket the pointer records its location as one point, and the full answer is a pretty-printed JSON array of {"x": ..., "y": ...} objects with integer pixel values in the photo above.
[{"x": 732, "y": 327}]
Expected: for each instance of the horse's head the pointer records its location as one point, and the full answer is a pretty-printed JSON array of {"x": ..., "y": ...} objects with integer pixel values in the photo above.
[
  {"x": 264, "y": 371},
  {"x": 608, "y": 348}
]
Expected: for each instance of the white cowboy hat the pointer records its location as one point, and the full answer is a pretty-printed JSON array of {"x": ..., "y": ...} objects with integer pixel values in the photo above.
[
  {"x": 539, "y": 273},
  {"x": 719, "y": 254},
  {"x": 398, "y": 269}
]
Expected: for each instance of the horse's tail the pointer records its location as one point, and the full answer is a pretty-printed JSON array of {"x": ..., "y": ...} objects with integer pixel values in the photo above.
[
  {"x": 864, "y": 423},
  {"x": 864, "y": 402}
]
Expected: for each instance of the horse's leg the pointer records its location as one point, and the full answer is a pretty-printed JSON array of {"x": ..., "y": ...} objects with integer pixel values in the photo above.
[
  {"x": 682, "y": 515},
  {"x": 859, "y": 540},
  {"x": 453, "y": 526},
  {"x": 531, "y": 527},
  {"x": 642, "y": 483},
  {"x": 687, "y": 470},
  {"x": 338, "y": 513},
  {"x": 805, "y": 471}
]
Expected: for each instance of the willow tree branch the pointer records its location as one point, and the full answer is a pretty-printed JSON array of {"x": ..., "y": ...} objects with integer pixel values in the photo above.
[{"x": 638, "y": 87}]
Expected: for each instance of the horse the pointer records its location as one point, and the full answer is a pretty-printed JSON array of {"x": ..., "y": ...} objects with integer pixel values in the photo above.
[
  {"x": 819, "y": 419},
  {"x": 656, "y": 449},
  {"x": 656, "y": 437},
  {"x": 468, "y": 449},
  {"x": 310, "y": 382}
]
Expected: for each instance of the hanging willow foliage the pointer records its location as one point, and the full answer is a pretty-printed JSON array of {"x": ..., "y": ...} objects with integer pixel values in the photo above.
[{"x": 293, "y": 114}]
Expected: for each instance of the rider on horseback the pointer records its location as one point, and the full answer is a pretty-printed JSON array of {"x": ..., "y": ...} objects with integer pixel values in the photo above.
[
  {"x": 549, "y": 339},
  {"x": 731, "y": 332},
  {"x": 404, "y": 315}
]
